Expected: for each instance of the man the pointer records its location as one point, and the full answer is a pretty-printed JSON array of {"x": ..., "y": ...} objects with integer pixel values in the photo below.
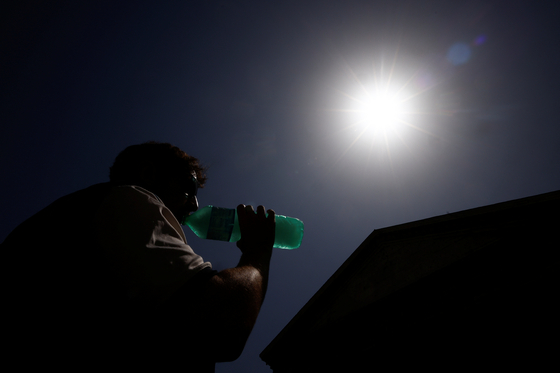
[{"x": 106, "y": 272}]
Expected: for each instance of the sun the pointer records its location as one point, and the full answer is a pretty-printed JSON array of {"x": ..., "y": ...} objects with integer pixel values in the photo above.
[{"x": 382, "y": 111}]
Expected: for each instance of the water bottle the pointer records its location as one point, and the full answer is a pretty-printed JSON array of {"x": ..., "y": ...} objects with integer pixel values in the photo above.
[{"x": 218, "y": 223}]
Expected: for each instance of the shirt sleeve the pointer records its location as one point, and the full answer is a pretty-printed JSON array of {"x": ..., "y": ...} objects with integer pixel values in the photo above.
[{"x": 145, "y": 245}]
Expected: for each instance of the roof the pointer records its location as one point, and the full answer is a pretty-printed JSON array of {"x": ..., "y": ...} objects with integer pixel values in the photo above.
[{"x": 393, "y": 258}]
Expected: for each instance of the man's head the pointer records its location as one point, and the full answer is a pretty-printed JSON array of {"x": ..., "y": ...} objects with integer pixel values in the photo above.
[{"x": 164, "y": 170}]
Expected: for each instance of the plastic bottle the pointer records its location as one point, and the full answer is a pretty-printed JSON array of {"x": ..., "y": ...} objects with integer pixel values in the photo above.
[{"x": 218, "y": 223}]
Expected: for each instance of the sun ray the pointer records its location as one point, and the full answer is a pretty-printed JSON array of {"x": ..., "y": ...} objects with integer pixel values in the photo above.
[
  {"x": 349, "y": 96},
  {"x": 369, "y": 154},
  {"x": 420, "y": 92},
  {"x": 422, "y": 130},
  {"x": 403, "y": 142},
  {"x": 349, "y": 127},
  {"x": 374, "y": 74},
  {"x": 350, "y": 146},
  {"x": 354, "y": 76},
  {"x": 389, "y": 154},
  {"x": 408, "y": 82},
  {"x": 341, "y": 110},
  {"x": 392, "y": 69}
]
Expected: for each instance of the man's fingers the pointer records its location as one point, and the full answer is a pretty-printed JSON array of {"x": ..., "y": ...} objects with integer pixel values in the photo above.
[
  {"x": 257, "y": 228},
  {"x": 240, "y": 210},
  {"x": 271, "y": 214},
  {"x": 246, "y": 212},
  {"x": 241, "y": 215},
  {"x": 260, "y": 211}
]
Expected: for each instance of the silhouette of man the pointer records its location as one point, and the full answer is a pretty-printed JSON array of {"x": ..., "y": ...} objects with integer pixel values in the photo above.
[{"x": 105, "y": 275}]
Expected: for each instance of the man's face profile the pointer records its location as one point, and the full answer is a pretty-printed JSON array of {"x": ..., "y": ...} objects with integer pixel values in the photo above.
[{"x": 179, "y": 194}]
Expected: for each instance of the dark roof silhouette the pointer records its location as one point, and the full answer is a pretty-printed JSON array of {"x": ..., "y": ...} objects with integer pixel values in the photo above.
[{"x": 473, "y": 285}]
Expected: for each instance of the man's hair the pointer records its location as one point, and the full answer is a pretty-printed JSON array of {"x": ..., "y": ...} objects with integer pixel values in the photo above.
[{"x": 128, "y": 166}]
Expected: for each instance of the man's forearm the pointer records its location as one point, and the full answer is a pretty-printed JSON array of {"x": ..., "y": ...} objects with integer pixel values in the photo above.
[
  {"x": 233, "y": 299},
  {"x": 261, "y": 264},
  {"x": 244, "y": 286}
]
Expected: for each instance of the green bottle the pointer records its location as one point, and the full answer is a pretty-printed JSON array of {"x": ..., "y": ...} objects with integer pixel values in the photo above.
[{"x": 217, "y": 223}]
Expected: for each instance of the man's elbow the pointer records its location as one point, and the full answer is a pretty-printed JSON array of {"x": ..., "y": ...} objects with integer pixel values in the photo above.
[
  {"x": 229, "y": 349},
  {"x": 227, "y": 355}
]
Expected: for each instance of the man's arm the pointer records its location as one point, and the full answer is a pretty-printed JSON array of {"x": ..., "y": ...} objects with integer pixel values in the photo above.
[{"x": 230, "y": 301}]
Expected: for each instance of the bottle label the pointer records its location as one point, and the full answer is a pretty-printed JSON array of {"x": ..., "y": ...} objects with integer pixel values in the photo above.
[{"x": 221, "y": 224}]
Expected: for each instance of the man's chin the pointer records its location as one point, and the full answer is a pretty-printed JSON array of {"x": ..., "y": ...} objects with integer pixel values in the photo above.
[{"x": 183, "y": 217}]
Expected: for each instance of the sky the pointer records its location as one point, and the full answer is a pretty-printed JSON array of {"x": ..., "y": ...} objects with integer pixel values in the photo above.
[{"x": 276, "y": 98}]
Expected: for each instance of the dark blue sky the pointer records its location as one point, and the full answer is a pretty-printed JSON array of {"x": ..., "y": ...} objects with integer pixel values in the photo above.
[{"x": 260, "y": 92}]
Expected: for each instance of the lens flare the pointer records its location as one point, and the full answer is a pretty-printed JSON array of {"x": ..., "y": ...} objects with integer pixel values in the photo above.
[{"x": 459, "y": 54}]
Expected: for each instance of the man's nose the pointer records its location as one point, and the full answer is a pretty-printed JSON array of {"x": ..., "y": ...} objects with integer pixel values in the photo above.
[{"x": 193, "y": 202}]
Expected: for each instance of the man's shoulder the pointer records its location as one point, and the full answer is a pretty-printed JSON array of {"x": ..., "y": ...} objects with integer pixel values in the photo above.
[
  {"x": 77, "y": 204},
  {"x": 93, "y": 192},
  {"x": 131, "y": 196},
  {"x": 137, "y": 206},
  {"x": 134, "y": 190}
]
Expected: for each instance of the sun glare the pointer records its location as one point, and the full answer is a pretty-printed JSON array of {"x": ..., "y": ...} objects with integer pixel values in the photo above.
[
  {"x": 389, "y": 103},
  {"x": 382, "y": 112}
]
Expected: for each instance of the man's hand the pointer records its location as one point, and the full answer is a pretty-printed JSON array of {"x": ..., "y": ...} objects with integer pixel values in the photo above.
[{"x": 257, "y": 231}]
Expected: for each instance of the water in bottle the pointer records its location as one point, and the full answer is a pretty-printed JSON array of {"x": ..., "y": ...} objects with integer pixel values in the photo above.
[{"x": 218, "y": 223}]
